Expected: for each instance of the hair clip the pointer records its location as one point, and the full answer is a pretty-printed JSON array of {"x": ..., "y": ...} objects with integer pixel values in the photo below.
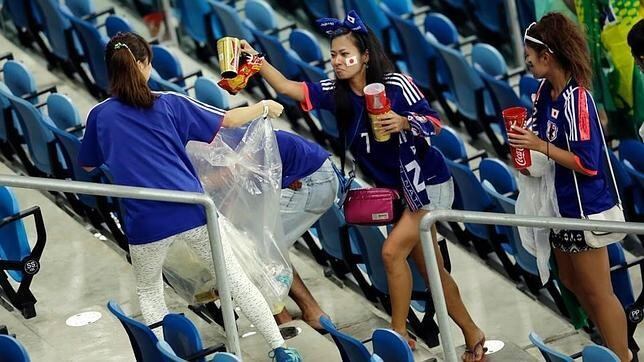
[{"x": 120, "y": 45}]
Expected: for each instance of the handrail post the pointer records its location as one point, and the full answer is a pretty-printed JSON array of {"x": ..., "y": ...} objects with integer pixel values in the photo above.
[
  {"x": 142, "y": 193},
  {"x": 218, "y": 258},
  {"x": 435, "y": 285},
  {"x": 490, "y": 218}
]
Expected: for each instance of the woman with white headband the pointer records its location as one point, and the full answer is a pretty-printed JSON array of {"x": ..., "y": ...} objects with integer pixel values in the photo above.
[{"x": 565, "y": 128}]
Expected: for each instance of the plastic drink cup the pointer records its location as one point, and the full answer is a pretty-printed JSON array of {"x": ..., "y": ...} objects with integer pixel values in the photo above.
[
  {"x": 517, "y": 116},
  {"x": 228, "y": 49},
  {"x": 377, "y": 104}
]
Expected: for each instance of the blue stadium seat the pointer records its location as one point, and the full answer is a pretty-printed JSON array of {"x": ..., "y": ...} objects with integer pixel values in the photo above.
[
  {"x": 548, "y": 353},
  {"x": 499, "y": 175},
  {"x": 591, "y": 353},
  {"x": 183, "y": 336},
  {"x": 594, "y": 353},
  {"x": 421, "y": 61},
  {"x": 261, "y": 15},
  {"x": 17, "y": 258},
  {"x": 11, "y": 135},
  {"x": 474, "y": 198},
  {"x": 370, "y": 241},
  {"x": 20, "y": 81},
  {"x": 40, "y": 141},
  {"x": 143, "y": 340},
  {"x": 157, "y": 83},
  {"x": 489, "y": 60},
  {"x": 62, "y": 39},
  {"x": 64, "y": 114},
  {"x": 167, "y": 65},
  {"x": 93, "y": 43},
  {"x": 80, "y": 8},
  {"x": 468, "y": 90},
  {"x": 231, "y": 23},
  {"x": 371, "y": 14},
  {"x": 490, "y": 20},
  {"x": 306, "y": 46},
  {"x": 442, "y": 28},
  {"x": 350, "y": 348},
  {"x": 115, "y": 24},
  {"x": 209, "y": 92},
  {"x": 197, "y": 20},
  {"x": 630, "y": 153},
  {"x": 12, "y": 350},
  {"x": 391, "y": 346},
  {"x": 316, "y": 9}
]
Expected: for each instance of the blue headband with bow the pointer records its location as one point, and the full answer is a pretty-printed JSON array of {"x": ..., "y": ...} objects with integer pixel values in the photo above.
[{"x": 352, "y": 22}]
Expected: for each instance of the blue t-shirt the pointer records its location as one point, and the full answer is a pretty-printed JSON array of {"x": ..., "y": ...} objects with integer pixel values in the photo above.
[
  {"x": 381, "y": 160},
  {"x": 300, "y": 157},
  {"x": 146, "y": 148},
  {"x": 572, "y": 120}
]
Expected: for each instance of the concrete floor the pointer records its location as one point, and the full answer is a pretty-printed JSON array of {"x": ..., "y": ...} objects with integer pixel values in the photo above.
[{"x": 81, "y": 272}]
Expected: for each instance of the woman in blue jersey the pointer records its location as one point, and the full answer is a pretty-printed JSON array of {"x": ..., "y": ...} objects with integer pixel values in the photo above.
[
  {"x": 141, "y": 136},
  {"x": 565, "y": 128},
  {"x": 405, "y": 162}
]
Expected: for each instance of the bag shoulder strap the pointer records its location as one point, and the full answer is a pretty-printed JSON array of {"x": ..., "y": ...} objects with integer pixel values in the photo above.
[{"x": 605, "y": 146}]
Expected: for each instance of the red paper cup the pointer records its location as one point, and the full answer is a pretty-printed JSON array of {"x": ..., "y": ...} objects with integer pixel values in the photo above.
[
  {"x": 376, "y": 98},
  {"x": 517, "y": 116}
]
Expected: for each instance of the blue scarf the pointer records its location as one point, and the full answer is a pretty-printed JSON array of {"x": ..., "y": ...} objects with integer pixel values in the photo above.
[{"x": 412, "y": 177}]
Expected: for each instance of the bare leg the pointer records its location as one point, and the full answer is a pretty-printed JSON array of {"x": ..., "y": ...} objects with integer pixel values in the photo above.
[
  {"x": 592, "y": 273},
  {"x": 474, "y": 336},
  {"x": 311, "y": 311},
  {"x": 567, "y": 278}
]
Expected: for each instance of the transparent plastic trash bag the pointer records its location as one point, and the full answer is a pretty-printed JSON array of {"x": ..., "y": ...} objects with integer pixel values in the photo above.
[
  {"x": 241, "y": 171},
  {"x": 188, "y": 274}
]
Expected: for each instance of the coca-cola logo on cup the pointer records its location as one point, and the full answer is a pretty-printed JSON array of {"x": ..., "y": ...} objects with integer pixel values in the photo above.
[{"x": 520, "y": 157}]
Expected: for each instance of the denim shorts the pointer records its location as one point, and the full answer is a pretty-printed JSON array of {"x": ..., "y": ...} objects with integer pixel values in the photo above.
[
  {"x": 300, "y": 209},
  {"x": 441, "y": 196}
]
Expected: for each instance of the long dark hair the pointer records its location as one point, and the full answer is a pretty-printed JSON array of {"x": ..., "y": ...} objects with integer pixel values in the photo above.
[
  {"x": 126, "y": 80},
  {"x": 377, "y": 66},
  {"x": 568, "y": 45}
]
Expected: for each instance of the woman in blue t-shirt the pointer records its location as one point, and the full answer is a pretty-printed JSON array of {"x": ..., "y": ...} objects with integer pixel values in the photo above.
[
  {"x": 406, "y": 162},
  {"x": 566, "y": 128},
  {"x": 141, "y": 137}
]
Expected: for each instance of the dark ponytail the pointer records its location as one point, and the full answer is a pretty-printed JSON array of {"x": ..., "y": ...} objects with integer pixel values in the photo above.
[
  {"x": 126, "y": 80},
  {"x": 377, "y": 67}
]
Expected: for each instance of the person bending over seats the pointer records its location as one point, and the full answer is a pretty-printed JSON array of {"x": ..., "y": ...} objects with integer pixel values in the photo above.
[
  {"x": 358, "y": 59},
  {"x": 566, "y": 129},
  {"x": 141, "y": 136},
  {"x": 309, "y": 187}
]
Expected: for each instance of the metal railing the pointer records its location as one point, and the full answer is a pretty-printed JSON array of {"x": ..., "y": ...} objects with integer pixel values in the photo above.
[
  {"x": 141, "y": 193},
  {"x": 488, "y": 218}
]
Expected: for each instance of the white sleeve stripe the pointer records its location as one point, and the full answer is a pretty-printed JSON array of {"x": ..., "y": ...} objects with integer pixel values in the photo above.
[
  {"x": 409, "y": 94},
  {"x": 571, "y": 115},
  {"x": 96, "y": 105},
  {"x": 405, "y": 84},
  {"x": 405, "y": 93},
  {"x": 198, "y": 103}
]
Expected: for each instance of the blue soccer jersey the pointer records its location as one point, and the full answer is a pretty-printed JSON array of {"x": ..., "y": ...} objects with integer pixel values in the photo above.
[
  {"x": 146, "y": 148},
  {"x": 300, "y": 157},
  {"x": 571, "y": 122},
  {"x": 381, "y": 160}
]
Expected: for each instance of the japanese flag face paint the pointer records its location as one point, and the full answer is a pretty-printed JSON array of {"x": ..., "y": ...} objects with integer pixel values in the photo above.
[{"x": 351, "y": 61}]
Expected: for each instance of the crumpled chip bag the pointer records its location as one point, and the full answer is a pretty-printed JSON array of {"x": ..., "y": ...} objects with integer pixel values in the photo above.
[{"x": 249, "y": 65}]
